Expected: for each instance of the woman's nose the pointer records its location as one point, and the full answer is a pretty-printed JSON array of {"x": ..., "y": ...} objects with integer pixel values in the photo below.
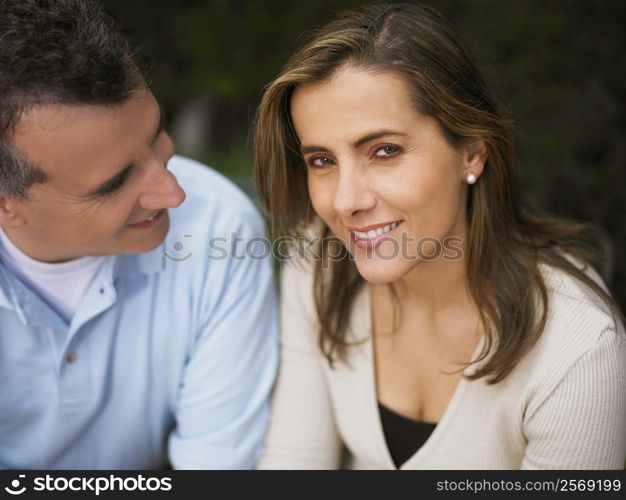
[{"x": 353, "y": 192}]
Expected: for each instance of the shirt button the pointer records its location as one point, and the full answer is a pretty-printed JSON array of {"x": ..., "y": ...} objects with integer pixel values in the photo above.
[{"x": 71, "y": 357}]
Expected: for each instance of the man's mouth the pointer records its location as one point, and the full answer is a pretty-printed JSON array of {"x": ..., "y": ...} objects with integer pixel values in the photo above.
[{"x": 150, "y": 221}]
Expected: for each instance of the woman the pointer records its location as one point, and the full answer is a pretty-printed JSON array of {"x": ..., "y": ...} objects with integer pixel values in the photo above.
[{"x": 456, "y": 330}]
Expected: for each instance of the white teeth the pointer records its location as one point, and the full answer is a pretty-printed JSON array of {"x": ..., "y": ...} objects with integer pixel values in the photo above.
[
  {"x": 152, "y": 218},
  {"x": 373, "y": 233}
]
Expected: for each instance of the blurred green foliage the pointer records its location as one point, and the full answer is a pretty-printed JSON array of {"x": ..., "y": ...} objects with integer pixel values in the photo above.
[{"x": 557, "y": 67}]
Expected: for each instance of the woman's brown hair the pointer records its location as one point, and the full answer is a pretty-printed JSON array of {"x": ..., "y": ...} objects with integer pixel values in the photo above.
[{"x": 506, "y": 242}]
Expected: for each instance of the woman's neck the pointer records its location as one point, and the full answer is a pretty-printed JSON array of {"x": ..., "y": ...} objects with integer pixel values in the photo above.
[{"x": 435, "y": 285}]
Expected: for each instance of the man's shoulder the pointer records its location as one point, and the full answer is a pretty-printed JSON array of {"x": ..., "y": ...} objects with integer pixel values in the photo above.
[
  {"x": 215, "y": 215},
  {"x": 214, "y": 205},
  {"x": 207, "y": 188}
]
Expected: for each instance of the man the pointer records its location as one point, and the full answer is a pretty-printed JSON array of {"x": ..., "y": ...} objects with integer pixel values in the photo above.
[{"x": 123, "y": 343}]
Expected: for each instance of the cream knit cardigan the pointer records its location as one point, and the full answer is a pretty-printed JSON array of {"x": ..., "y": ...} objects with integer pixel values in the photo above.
[{"x": 562, "y": 407}]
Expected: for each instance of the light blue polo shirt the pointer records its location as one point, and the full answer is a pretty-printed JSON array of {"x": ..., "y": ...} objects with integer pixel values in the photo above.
[{"x": 170, "y": 357}]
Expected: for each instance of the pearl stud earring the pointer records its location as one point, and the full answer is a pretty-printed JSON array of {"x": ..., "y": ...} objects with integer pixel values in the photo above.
[{"x": 471, "y": 178}]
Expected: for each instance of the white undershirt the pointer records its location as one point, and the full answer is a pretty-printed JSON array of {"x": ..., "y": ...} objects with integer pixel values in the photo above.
[{"x": 62, "y": 285}]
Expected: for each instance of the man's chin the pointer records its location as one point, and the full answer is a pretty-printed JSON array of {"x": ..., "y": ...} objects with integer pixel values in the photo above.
[{"x": 153, "y": 239}]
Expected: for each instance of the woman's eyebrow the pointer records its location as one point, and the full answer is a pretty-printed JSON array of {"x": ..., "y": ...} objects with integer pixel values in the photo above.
[
  {"x": 313, "y": 149},
  {"x": 377, "y": 135},
  {"x": 359, "y": 142}
]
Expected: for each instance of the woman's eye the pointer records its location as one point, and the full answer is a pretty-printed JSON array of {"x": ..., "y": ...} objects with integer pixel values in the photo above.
[
  {"x": 386, "y": 151},
  {"x": 320, "y": 161}
]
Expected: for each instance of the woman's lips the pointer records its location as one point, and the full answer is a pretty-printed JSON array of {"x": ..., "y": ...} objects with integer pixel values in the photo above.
[
  {"x": 373, "y": 237},
  {"x": 148, "y": 223}
]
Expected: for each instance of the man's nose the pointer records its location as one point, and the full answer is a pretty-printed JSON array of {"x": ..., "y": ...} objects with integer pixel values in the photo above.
[
  {"x": 163, "y": 190},
  {"x": 353, "y": 192}
]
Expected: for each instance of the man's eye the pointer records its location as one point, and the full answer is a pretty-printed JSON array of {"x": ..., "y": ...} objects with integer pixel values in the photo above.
[
  {"x": 113, "y": 186},
  {"x": 319, "y": 161},
  {"x": 387, "y": 151}
]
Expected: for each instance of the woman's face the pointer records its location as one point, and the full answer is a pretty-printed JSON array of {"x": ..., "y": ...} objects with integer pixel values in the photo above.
[{"x": 381, "y": 174}]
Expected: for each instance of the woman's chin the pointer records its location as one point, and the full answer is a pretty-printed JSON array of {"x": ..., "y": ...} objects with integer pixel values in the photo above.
[{"x": 381, "y": 272}]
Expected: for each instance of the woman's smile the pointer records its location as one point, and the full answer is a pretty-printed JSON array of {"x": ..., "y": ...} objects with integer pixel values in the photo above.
[{"x": 370, "y": 237}]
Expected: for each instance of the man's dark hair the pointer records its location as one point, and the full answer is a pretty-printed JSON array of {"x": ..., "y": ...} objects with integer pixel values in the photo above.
[{"x": 58, "y": 52}]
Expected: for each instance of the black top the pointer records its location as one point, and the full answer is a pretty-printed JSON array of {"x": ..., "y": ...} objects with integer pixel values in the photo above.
[{"x": 404, "y": 435}]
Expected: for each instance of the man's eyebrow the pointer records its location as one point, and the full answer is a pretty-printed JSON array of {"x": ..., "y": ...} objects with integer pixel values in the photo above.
[
  {"x": 359, "y": 142},
  {"x": 161, "y": 125},
  {"x": 119, "y": 177}
]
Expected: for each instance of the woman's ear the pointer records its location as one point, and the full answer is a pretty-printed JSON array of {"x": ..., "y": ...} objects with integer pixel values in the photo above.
[
  {"x": 9, "y": 215},
  {"x": 474, "y": 157}
]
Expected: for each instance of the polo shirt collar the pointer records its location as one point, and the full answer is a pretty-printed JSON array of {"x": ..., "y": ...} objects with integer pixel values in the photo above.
[
  {"x": 5, "y": 286},
  {"x": 151, "y": 262}
]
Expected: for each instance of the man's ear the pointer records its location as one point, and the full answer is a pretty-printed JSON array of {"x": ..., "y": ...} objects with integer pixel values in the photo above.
[
  {"x": 474, "y": 157},
  {"x": 9, "y": 213}
]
